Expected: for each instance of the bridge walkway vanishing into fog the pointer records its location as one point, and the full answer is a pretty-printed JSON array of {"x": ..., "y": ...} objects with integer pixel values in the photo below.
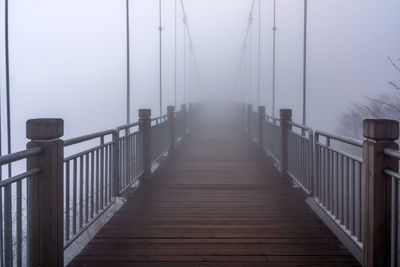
[
  {"x": 217, "y": 200},
  {"x": 202, "y": 187}
]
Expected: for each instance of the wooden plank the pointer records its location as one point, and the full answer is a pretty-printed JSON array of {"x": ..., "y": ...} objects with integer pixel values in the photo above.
[{"x": 216, "y": 201}]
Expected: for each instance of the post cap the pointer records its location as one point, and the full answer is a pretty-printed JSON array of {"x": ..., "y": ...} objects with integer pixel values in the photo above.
[
  {"x": 171, "y": 108},
  {"x": 285, "y": 113},
  {"x": 261, "y": 109},
  {"x": 144, "y": 113},
  {"x": 44, "y": 129},
  {"x": 381, "y": 129}
]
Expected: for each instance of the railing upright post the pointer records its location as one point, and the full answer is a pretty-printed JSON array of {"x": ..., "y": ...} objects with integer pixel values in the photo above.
[
  {"x": 249, "y": 111},
  {"x": 171, "y": 120},
  {"x": 45, "y": 193},
  {"x": 261, "y": 118},
  {"x": 184, "y": 116},
  {"x": 377, "y": 193},
  {"x": 285, "y": 117},
  {"x": 145, "y": 129},
  {"x": 115, "y": 163}
]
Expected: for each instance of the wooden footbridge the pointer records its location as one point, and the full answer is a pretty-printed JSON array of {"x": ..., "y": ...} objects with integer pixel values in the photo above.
[
  {"x": 246, "y": 190},
  {"x": 217, "y": 200}
]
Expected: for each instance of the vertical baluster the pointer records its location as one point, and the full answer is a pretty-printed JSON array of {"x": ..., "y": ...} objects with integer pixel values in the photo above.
[
  {"x": 106, "y": 175},
  {"x": 81, "y": 192},
  {"x": 360, "y": 207},
  {"x": 74, "y": 195},
  {"x": 348, "y": 182},
  {"x": 97, "y": 180},
  {"x": 87, "y": 188},
  {"x": 337, "y": 184},
  {"x": 101, "y": 189},
  {"x": 92, "y": 195},
  {"x": 67, "y": 201},
  {"x": 395, "y": 221},
  {"x": 317, "y": 170},
  {"x": 19, "y": 223},
  {"x": 8, "y": 240},
  {"x": 353, "y": 197},
  {"x": 341, "y": 188},
  {"x": 1, "y": 225}
]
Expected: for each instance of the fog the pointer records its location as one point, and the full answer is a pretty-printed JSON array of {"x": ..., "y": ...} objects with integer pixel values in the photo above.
[{"x": 68, "y": 58}]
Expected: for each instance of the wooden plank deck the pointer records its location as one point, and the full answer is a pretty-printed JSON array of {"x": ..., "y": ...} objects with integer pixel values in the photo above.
[{"x": 217, "y": 201}]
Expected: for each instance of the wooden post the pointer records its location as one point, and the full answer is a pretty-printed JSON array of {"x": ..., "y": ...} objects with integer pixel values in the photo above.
[
  {"x": 286, "y": 116},
  {"x": 184, "y": 116},
  {"x": 115, "y": 164},
  {"x": 261, "y": 118},
  {"x": 45, "y": 193},
  {"x": 171, "y": 120},
  {"x": 380, "y": 134},
  {"x": 249, "y": 110},
  {"x": 145, "y": 129}
]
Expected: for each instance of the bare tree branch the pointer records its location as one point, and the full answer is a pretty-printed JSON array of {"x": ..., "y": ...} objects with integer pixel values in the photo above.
[
  {"x": 394, "y": 64},
  {"x": 396, "y": 108}
]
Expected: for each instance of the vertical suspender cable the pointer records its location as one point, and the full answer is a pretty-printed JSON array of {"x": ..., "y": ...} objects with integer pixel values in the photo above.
[
  {"x": 250, "y": 58},
  {"x": 305, "y": 66},
  {"x": 8, "y": 259},
  {"x": 184, "y": 59},
  {"x": 128, "y": 80},
  {"x": 273, "y": 61},
  {"x": 259, "y": 53},
  {"x": 160, "y": 78},
  {"x": 7, "y": 61},
  {"x": 175, "y": 51}
]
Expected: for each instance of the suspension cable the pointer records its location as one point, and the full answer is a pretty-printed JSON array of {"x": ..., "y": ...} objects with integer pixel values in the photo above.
[
  {"x": 128, "y": 82},
  {"x": 191, "y": 48},
  {"x": 176, "y": 52},
  {"x": 242, "y": 62},
  {"x": 259, "y": 53},
  {"x": 160, "y": 29},
  {"x": 274, "y": 61}
]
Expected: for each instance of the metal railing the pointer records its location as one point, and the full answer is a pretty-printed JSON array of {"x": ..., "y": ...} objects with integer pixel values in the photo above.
[
  {"x": 338, "y": 181},
  {"x": 88, "y": 182},
  {"x": 14, "y": 209},
  {"x": 130, "y": 150},
  {"x": 160, "y": 134},
  {"x": 395, "y": 180},
  {"x": 272, "y": 137},
  {"x": 179, "y": 125},
  {"x": 73, "y": 183},
  {"x": 300, "y": 158}
]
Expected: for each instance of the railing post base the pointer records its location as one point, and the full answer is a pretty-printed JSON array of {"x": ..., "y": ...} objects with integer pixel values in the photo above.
[
  {"x": 377, "y": 193},
  {"x": 45, "y": 193}
]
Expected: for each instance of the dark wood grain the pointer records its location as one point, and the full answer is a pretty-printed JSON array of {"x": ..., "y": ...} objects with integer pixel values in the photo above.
[{"x": 217, "y": 201}]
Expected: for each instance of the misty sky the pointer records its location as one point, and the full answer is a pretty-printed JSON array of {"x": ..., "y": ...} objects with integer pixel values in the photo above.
[{"x": 67, "y": 58}]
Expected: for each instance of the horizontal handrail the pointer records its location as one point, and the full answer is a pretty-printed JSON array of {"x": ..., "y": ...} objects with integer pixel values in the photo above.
[
  {"x": 19, "y": 177},
  {"x": 392, "y": 153},
  {"x": 159, "y": 118},
  {"x": 20, "y": 155},
  {"x": 347, "y": 140},
  {"x": 88, "y": 137},
  {"x": 127, "y": 126},
  {"x": 303, "y": 127}
]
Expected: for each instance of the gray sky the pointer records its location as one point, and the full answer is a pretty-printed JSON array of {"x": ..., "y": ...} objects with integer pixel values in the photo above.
[{"x": 68, "y": 57}]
